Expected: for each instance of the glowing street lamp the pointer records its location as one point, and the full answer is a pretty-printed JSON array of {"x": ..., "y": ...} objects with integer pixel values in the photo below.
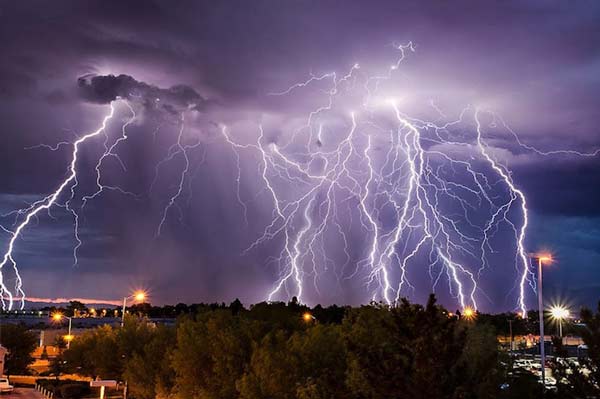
[
  {"x": 308, "y": 317},
  {"x": 541, "y": 259},
  {"x": 139, "y": 296},
  {"x": 69, "y": 337},
  {"x": 468, "y": 313},
  {"x": 559, "y": 313}
]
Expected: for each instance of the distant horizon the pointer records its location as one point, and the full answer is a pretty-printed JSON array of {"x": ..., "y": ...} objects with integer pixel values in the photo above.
[{"x": 60, "y": 302}]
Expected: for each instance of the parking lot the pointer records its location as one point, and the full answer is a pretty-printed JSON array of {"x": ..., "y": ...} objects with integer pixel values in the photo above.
[{"x": 22, "y": 393}]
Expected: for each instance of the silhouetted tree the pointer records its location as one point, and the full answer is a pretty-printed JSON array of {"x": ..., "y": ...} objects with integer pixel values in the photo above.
[
  {"x": 75, "y": 306},
  {"x": 20, "y": 343}
]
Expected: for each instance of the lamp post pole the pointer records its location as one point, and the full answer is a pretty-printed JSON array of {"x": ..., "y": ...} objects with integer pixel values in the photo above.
[
  {"x": 123, "y": 312},
  {"x": 138, "y": 296},
  {"x": 69, "y": 333},
  {"x": 560, "y": 327},
  {"x": 541, "y": 311},
  {"x": 69, "y": 337}
]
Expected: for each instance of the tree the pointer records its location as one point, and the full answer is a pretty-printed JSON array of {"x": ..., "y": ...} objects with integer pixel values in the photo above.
[
  {"x": 211, "y": 355},
  {"x": 20, "y": 343},
  {"x": 75, "y": 307},
  {"x": 148, "y": 372},
  {"x": 95, "y": 353},
  {"x": 236, "y": 306},
  {"x": 478, "y": 366},
  {"x": 429, "y": 354},
  {"x": 307, "y": 364}
]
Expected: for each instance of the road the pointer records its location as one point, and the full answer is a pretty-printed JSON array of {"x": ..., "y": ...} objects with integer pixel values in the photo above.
[{"x": 22, "y": 393}]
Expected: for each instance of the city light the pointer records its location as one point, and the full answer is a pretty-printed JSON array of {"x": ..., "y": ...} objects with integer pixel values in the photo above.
[
  {"x": 140, "y": 296},
  {"x": 559, "y": 312},
  {"x": 469, "y": 313},
  {"x": 69, "y": 337},
  {"x": 307, "y": 317},
  {"x": 545, "y": 258}
]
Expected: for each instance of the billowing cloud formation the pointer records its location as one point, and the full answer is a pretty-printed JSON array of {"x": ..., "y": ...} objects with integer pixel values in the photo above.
[{"x": 104, "y": 89}]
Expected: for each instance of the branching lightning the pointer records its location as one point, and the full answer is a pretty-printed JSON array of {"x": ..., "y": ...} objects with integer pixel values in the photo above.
[
  {"x": 7, "y": 295},
  {"x": 358, "y": 190},
  {"x": 434, "y": 195}
]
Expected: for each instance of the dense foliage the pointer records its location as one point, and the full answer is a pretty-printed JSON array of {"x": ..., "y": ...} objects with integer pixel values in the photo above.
[
  {"x": 271, "y": 351},
  {"x": 20, "y": 343}
]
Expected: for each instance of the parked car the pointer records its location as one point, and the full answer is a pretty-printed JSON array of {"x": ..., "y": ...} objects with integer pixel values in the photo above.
[{"x": 5, "y": 386}]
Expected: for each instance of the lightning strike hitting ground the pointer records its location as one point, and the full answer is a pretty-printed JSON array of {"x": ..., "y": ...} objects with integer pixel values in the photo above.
[
  {"x": 7, "y": 295},
  {"x": 357, "y": 190},
  {"x": 435, "y": 196}
]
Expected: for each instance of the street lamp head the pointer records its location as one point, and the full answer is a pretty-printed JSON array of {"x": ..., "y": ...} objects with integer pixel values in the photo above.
[
  {"x": 542, "y": 257},
  {"x": 139, "y": 296},
  {"x": 57, "y": 316},
  {"x": 545, "y": 258},
  {"x": 559, "y": 312},
  {"x": 307, "y": 317},
  {"x": 468, "y": 313}
]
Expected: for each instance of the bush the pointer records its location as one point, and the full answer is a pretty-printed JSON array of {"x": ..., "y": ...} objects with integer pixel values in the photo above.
[
  {"x": 65, "y": 389},
  {"x": 73, "y": 391}
]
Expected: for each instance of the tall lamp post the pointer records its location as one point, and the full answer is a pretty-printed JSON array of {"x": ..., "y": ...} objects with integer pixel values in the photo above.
[
  {"x": 541, "y": 259},
  {"x": 59, "y": 317},
  {"x": 139, "y": 296}
]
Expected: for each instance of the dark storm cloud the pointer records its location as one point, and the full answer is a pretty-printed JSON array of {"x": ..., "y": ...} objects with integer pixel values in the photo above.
[
  {"x": 105, "y": 89},
  {"x": 565, "y": 187}
]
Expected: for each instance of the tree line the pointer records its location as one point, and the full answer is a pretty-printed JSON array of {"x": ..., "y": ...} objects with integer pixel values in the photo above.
[
  {"x": 275, "y": 351},
  {"x": 279, "y": 350}
]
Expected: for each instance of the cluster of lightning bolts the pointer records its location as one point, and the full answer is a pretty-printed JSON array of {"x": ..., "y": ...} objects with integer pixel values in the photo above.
[
  {"x": 65, "y": 195},
  {"x": 368, "y": 194},
  {"x": 414, "y": 191}
]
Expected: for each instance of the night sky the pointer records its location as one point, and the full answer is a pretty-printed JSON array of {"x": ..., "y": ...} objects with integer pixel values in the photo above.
[{"x": 535, "y": 63}]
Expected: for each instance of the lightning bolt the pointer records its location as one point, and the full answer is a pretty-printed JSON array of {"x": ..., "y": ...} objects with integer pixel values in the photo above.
[
  {"x": 434, "y": 196},
  {"x": 34, "y": 211},
  {"x": 357, "y": 189}
]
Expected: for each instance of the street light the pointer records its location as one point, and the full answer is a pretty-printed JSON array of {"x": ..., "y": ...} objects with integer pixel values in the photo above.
[
  {"x": 139, "y": 296},
  {"x": 69, "y": 336},
  {"x": 468, "y": 313},
  {"x": 541, "y": 259},
  {"x": 308, "y": 317},
  {"x": 559, "y": 313}
]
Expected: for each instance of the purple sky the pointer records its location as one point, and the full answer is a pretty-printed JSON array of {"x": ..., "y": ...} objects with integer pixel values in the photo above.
[{"x": 535, "y": 63}]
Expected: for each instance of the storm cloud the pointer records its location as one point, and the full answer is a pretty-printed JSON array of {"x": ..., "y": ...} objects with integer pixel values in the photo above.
[
  {"x": 533, "y": 62},
  {"x": 105, "y": 89}
]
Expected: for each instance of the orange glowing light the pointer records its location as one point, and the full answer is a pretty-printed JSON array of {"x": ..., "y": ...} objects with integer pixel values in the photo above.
[
  {"x": 139, "y": 296},
  {"x": 307, "y": 317},
  {"x": 545, "y": 258},
  {"x": 57, "y": 316},
  {"x": 468, "y": 313}
]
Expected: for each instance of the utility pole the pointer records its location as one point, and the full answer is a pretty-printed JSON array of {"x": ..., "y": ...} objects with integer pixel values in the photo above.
[{"x": 541, "y": 311}]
